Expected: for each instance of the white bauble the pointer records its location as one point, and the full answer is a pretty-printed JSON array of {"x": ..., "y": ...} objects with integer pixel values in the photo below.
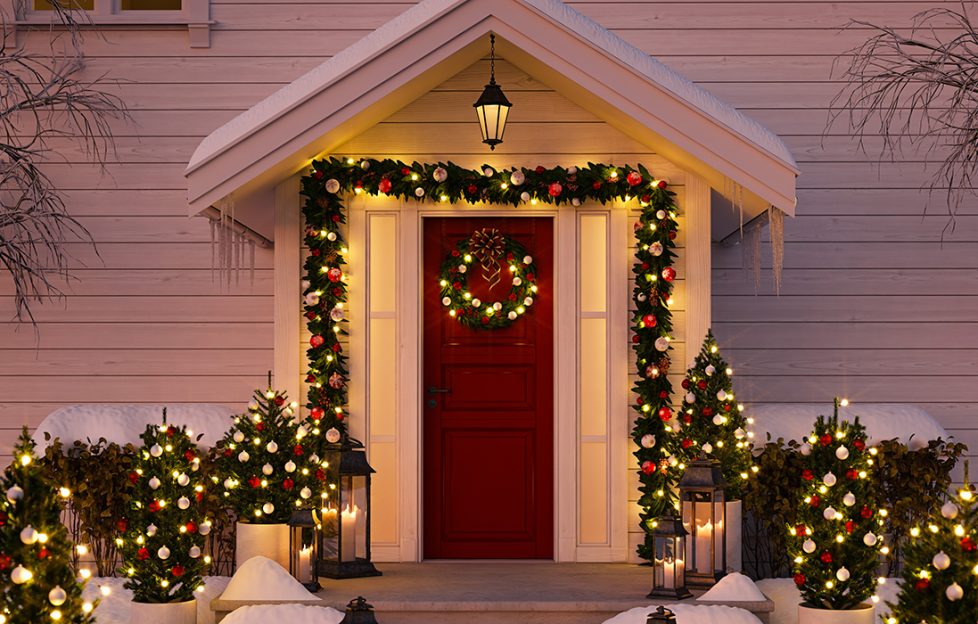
[
  {"x": 949, "y": 510},
  {"x": 805, "y": 449},
  {"x": 517, "y": 177},
  {"x": 829, "y": 513},
  {"x": 183, "y": 502},
  {"x": 267, "y": 469},
  {"x": 941, "y": 561},
  {"x": 648, "y": 440},
  {"x": 204, "y": 528},
  {"x": 365, "y": 164},
  {"x": 151, "y": 530},
  {"x": 290, "y": 466},
  {"x": 842, "y": 574},
  {"x": 311, "y": 299},
  {"x": 517, "y": 281},
  {"x": 527, "y": 259},
  {"x": 272, "y": 447},
  {"x": 305, "y": 284},
  {"x": 707, "y": 448},
  {"x": 722, "y": 395},
  {"x": 808, "y": 546},
  {"x": 524, "y": 196},
  {"x": 477, "y": 302},
  {"x": 253, "y": 405},
  {"x": 28, "y": 535},
  {"x": 497, "y": 306},
  {"x": 163, "y": 552},
  {"x": 238, "y": 437},
  {"x": 332, "y": 186},
  {"x": 528, "y": 301},
  {"x": 512, "y": 315},
  {"x": 305, "y": 492},
  {"x": 15, "y": 493},
  {"x": 710, "y": 369},
  {"x": 660, "y": 214},
  {"x": 57, "y": 596},
  {"x": 739, "y": 433},
  {"x": 336, "y": 315},
  {"x": 243, "y": 456},
  {"x": 268, "y": 508},
  {"x": 572, "y": 171},
  {"x": 661, "y": 344},
  {"x": 228, "y": 483},
  {"x": 194, "y": 552},
  {"x": 440, "y": 174},
  {"x": 156, "y": 450},
  {"x": 842, "y": 452},
  {"x": 419, "y": 192},
  {"x": 829, "y": 479},
  {"x": 488, "y": 172},
  {"x": 446, "y": 301},
  {"x": 849, "y": 499},
  {"x": 331, "y": 236},
  {"x": 641, "y": 296},
  {"x": 20, "y": 575},
  {"x": 575, "y": 202},
  {"x": 183, "y": 479},
  {"x": 656, "y": 249},
  {"x": 870, "y": 539},
  {"x": 462, "y": 268},
  {"x": 690, "y": 397},
  {"x": 954, "y": 592},
  {"x": 333, "y": 435},
  {"x": 153, "y": 483},
  {"x": 718, "y": 420}
]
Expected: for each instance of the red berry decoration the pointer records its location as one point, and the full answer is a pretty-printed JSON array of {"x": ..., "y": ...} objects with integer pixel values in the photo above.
[
  {"x": 649, "y": 320},
  {"x": 320, "y": 475},
  {"x": 155, "y": 506},
  {"x": 815, "y": 501},
  {"x": 850, "y": 526},
  {"x": 472, "y": 189},
  {"x": 43, "y": 553},
  {"x": 687, "y": 443},
  {"x": 826, "y": 557},
  {"x": 133, "y": 477},
  {"x": 859, "y": 444},
  {"x": 297, "y": 449},
  {"x": 4, "y": 562},
  {"x": 316, "y": 341},
  {"x": 708, "y": 411},
  {"x": 807, "y": 474},
  {"x": 3, "y": 518},
  {"x": 540, "y": 169},
  {"x": 142, "y": 554},
  {"x": 801, "y": 529},
  {"x": 685, "y": 384},
  {"x": 337, "y": 347},
  {"x": 170, "y": 431},
  {"x": 596, "y": 185},
  {"x": 662, "y": 184},
  {"x": 800, "y": 579},
  {"x": 852, "y": 474},
  {"x": 191, "y": 527},
  {"x": 701, "y": 385},
  {"x": 866, "y": 512},
  {"x": 288, "y": 484},
  {"x": 279, "y": 400},
  {"x": 968, "y": 544},
  {"x": 922, "y": 585},
  {"x": 254, "y": 482},
  {"x": 634, "y": 178},
  {"x": 189, "y": 455},
  {"x": 122, "y": 525}
]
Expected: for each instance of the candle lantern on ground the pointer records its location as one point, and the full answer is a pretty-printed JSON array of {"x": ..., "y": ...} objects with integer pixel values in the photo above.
[
  {"x": 359, "y": 612},
  {"x": 304, "y": 548},
  {"x": 661, "y": 616},
  {"x": 702, "y": 495},
  {"x": 345, "y": 517},
  {"x": 668, "y": 561}
]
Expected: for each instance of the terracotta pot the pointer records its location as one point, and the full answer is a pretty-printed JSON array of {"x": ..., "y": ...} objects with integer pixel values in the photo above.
[
  {"x": 265, "y": 540},
  {"x": 863, "y": 614},
  {"x": 164, "y": 613}
]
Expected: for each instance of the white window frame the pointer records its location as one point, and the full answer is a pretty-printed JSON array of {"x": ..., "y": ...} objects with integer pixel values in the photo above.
[{"x": 194, "y": 14}]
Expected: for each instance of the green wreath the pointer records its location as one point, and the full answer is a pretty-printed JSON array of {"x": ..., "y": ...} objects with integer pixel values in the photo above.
[{"x": 501, "y": 258}]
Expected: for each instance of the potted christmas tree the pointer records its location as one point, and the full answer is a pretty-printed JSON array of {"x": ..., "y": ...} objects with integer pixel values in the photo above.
[
  {"x": 162, "y": 538},
  {"x": 269, "y": 466},
  {"x": 713, "y": 423},
  {"x": 940, "y": 566},
  {"x": 35, "y": 554},
  {"x": 834, "y": 542}
]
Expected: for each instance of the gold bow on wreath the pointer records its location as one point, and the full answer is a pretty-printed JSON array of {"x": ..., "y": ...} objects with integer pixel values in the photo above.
[{"x": 487, "y": 246}]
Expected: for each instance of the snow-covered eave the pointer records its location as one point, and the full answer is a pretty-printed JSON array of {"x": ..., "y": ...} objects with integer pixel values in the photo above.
[{"x": 435, "y": 39}]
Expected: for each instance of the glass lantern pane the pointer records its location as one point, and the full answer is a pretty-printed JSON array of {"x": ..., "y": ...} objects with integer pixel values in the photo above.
[
  {"x": 667, "y": 566},
  {"x": 362, "y": 504}
]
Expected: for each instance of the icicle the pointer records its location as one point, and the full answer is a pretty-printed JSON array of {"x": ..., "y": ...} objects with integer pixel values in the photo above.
[
  {"x": 750, "y": 251},
  {"x": 213, "y": 248},
  {"x": 776, "y": 218},
  {"x": 251, "y": 246}
]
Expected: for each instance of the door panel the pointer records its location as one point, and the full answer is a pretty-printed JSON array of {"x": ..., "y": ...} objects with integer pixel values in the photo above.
[{"x": 488, "y": 409}]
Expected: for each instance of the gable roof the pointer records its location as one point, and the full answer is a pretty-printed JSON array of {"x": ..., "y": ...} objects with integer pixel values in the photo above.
[{"x": 436, "y": 39}]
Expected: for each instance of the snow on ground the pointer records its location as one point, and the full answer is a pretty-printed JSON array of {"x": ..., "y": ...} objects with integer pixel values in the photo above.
[
  {"x": 786, "y": 597},
  {"x": 734, "y": 587},
  {"x": 260, "y": 578},
  {"x": 115, "y": 600},
  {"x": 882, "y": 421},
  {"x": 291, "y": 613},
  {"x": 689, "y": 614}
]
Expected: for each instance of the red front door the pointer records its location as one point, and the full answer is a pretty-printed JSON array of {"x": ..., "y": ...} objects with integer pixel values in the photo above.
[{"x": 488, "y": 409}]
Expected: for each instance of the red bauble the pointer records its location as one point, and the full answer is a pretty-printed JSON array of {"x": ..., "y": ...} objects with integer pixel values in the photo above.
[
  {"x": 815, "y": 501},
  {"x": 336, "y": 217},
  {"x": 191, "y": 527},
  {"x": 968, "y": 544},
  {"x": 334, "y": 274},
  {"x": 316, "y": 341},
  {"x": 596, "y": 186},
  {"x": 170, "y": 431},
  {"x": 668, "y": 274},
  {"x": 254, "y": 482},
  {"x": 800, "y": 579},
  {"x": 634, "y": 178},
  {"x": 648, "y": 467},
  {"x": 708, "y": 411},
  {"x": 177, "y": 571},
  {"x": 663, "y": 395},
  {"x": 3, "y": 518},
  {"x": 297, "y": 449},
  {"x": 635, "y": 338},
  {"x": 228, "y": 452},
  {"x": 922, "y": 585},
  {"x": 685, "y": 384},
  {"x": 687, "y": 443},
  {"x": 472, "y": 189},
  {"x": 320, "y": 475},
  {"x": 665, "y": 414},
  {"x": 701, "y": 384},
  {"x": 316, "y": 413},
  {"x": 826, "y": 439},
  {"x": 457, "y": 285},
  {"x": 43, "y": 553},
  {"x": 801, "y": 530},
  {"x": 155, "y": 506},
  {"x": 726, "y": 407},
  {"x": 288, "y": 484},
  {"x": 850, "y": 526},
  {"x": 318, "y": 175},
  {"x": 337, "y": 291},
  {"x": 310, "y": 378},
  {"x": 142, "y": 554},
  {"x": 673, "y": 235},
  {"x": 649, "y": 320},
  {"x": 826, "y": 557},
  {"x": 555, "y": 189},
  {"x": 311, "y": 315},
  {"x": 314, "y": 252},
  {"x": 189, "y": 455},
  {"x": 859, "y": 444},
  {"x": 866, "y": 512},
  {"x": 279, "y": 400},
  {"x": 260, "y": 426},
  {"x": 4, "y": 562},
  {"x": 337, "y": 347},
  {"x": 807, "y": 474},
  {"x": 484, "y": 320},
  {"x": 852, "y": 474},
  {"x": 199, "y": 496},
  {"x": 540, "y": 169},
  {"x": 122, "y": 525},
  {"x": 133, "y": 477},
  {"x": 384, "y": 186}
]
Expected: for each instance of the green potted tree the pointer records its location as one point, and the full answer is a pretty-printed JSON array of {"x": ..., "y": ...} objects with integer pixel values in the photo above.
[{"x": 834, "y": 542}]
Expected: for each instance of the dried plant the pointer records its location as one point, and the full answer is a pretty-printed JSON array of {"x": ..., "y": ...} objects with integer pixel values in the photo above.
[
  {"x": 919, "y": 90},
  {"x": 43, "y": 97}
]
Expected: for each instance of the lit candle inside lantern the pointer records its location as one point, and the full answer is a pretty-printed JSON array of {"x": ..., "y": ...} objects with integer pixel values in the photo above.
[
  {"x": 349, "y": 533},
  {"x": 704, "y": 542},
  {"x": 305, "y": 563}
]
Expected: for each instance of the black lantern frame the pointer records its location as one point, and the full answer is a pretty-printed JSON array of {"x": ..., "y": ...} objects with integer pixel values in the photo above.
[
  {"x": 304, "y": 529},
  {"x": 661, "y": 616},
  {"x": 344, "y": 546},
  {"x": 669, "y": 559},
  {"x": 702, "y": 494},
  {"x": 492, "y": 107}
]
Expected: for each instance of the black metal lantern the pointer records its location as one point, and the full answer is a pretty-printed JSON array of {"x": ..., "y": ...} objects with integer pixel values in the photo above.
[
  {"x": 661, "y": 616},
  {"x": 359, "y": 612},
  {"x": 304, "y": 548},
  {"x": 344, "y": 550},
  {"x": 492, "y": 106},
  {"x": 703, "y": 497},
  {"x": 668, "y": 560}
]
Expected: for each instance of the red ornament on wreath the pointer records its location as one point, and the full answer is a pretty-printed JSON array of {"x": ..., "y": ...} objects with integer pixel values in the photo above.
[
  {"x": 649, "y": 320},
  {"x": 555, "y": 189},
  {"x": 668, "y": 274},
  {"x": 634, "y": 178},
  {"x": 316, "y": 413},
  {"x": 384, "y": 186},
  {"x": 334, "y": 274}
]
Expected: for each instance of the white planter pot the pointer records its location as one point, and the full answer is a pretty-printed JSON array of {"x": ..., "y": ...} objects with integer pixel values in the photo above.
[
  {"x": 264, "y": 540},
  {"x": 735, "y": 526},
  {"x": 863, "y": 614},
  {"x": 164, "y": 613}
]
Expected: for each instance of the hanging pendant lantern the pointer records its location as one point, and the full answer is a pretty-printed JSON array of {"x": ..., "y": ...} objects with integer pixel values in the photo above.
[{"x": 492, "y": 106}]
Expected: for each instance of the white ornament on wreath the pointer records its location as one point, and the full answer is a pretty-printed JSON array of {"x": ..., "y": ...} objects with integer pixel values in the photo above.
[
  {"x": 204, "y": 528},
  {"x": 419, "y": 192},
  {"x": 524, "y": 196},
  {"x": 333, "y": 186},
  {"x": 440, "y": 174},
  {"x": 722, "y": 395},
  {"x": 305, "y": 284},
  {"x": 365, "y": 164},
  {"x": 305, "y": 493},
  {"x": 842, "y": 574},
  {"x": 336, "y": 315},
  {"x": 290, "y": 466},
  {"x": 462, "y": 268},
  {"x": 488, "y": 172},
  {"x": 805, "y": 449},
  {"x": 575, "y": 202},
  {"x": 194, "y": 552},
  {"x": 656, "y": 249},
  {"x": 183, "y": 480},
  {"x": 238, "y": 437},
  {"x": 648, "y": 440},
  {"x": 183, "y": 502},
  {"x": 707, "y": 448},
  {"x": 829, "y": 513},
  {"x": 331, "y": 236},
  {"x": 268, "y": 508},
  {"x": 477, "y": 303},
  {"x": 20, "y": 575},
  {"x": 709, "y": 370},
  {"x": 28, "y": 535},
  {"x": 660, "y": 214},
  {"x": 690, "y": 397},
  {"x": 57, "y": 596},
  {"x": 739, "y": 433},
  {"x": 312, "y": 299},
  {"x": 446, "y": 301},
  {"x": 332, "y": 435},
  {"x": 662, "y": 344},
  {"x": 151, "y": 530},
  {"x": 517, "y": 178},
  {"x": 718, "y": 420}
]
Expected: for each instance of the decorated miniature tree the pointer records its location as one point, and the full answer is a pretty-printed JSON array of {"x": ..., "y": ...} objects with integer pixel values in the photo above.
[
  {"x": 712, "y": 421},
  {"x": 162, "y": 539},
  {"x": 834, "y": 541},
  {"x": 38, "y": 582},
  {"x": 940, "y": 568},
  {"x": 269, "y": 462}
]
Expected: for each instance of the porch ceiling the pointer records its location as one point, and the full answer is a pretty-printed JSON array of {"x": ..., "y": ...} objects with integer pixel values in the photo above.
[{"x": 436, "y": 39}]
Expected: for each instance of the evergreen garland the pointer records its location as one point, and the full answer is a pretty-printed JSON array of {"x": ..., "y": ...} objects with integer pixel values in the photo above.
[
  {"x": 36, "y": 575},
  {"x": 713, "y": 422},
  {"x": 835, "y": 541},
  {"x": 325, "y": 290},
  {"x": 940, "y": 571},
  {"x": 162, "y": 539}
]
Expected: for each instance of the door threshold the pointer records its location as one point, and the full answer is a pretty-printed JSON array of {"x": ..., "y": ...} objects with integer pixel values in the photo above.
[{"x": 490, "y": 561}]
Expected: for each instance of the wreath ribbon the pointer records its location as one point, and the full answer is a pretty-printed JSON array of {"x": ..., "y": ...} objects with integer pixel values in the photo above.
[{"x": 487, "y": 246}]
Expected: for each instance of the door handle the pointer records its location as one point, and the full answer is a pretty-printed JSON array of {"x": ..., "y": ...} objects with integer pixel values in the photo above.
[{"x": 434, "y": 390}]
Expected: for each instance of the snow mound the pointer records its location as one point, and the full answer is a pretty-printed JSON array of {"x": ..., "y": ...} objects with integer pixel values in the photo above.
[
  {"x": 124, "y": 423},
  {"x": 260, "y": 578},
  {"x": 291, "y": 613},
  {"x": 734, "y": 587},
  {"x": 786, "y": 597},
  {"x": 689, "y": 614},
  {"x": 909, "y": 423},
  {"x": 114, "y": 606}
]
